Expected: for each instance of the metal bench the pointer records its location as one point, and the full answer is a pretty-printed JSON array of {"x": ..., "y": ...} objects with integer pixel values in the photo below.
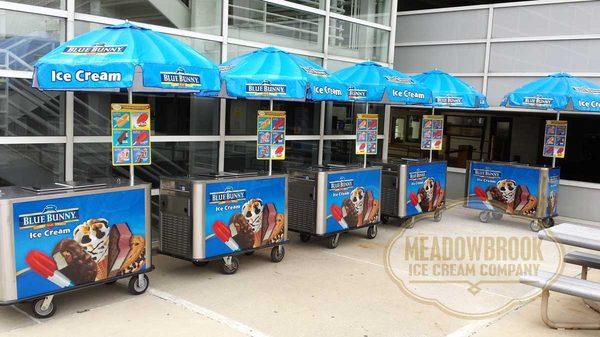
[
  {"x": 566, "y": 285},
  {"x": 585, "y": 260}
]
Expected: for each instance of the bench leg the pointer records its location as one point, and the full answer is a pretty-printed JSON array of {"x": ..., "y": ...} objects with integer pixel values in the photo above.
[
  {"x": 584, "y": 272},
  {"x": 563, "y": 325}
]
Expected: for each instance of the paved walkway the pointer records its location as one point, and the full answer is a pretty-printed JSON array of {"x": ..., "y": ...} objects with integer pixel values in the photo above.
[{"x": 313, "y": 292}]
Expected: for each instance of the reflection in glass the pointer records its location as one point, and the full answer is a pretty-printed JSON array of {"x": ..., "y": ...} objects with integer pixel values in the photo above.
[
  {"x": 195, "y": 15},
  {"x": 25, "y": 111},
  {"x": 340, "y": 117},
  {"x": 241, "y": 156},
  {"x": 377, "y": 11},
  {"x": 168, "y": 159},
  {"x": 31, "y": 164},
  {"x": 172, "y": 114},
  {"x": 260, "y": 21},
  {"x": 342, "y": 152},
  {"x": 24, "y": 38},
  {"x": 357, "y": 41},
  {"x": 302, "y": 117}
]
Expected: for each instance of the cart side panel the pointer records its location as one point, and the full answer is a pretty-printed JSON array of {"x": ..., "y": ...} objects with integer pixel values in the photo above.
[
  {"x": 506, "y": 188},
  {"x": 358, "y": 194},
  {"x": 552, "y": 192},
  {"x": 87, "y": 237},
  {"x": 425, "y": 187},
  {"x": 302, "y": 196},
  {"x": 244, "y": 214},
  {"x": 8, "y": 286},
  {"x": 321, "y": 211}
]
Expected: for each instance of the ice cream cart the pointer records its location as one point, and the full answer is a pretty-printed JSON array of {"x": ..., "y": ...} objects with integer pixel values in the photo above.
[
  {"x": 498, "y": 188},
  {"x": 328, "y": 200},
  {"x": 219, "y": 216},
  {"x": 70, "y": 235},
  {"x": 412, "y": 187}
]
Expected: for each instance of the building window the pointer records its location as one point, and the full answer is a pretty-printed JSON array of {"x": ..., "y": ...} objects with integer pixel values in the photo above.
[
  {"x": 31, "y": 164},
  {"x": 352, "y": 40},
  {"x": 302, "y": 117},
  {"x": 25, "y": 111},
  {"x": 241, "y": 156},
  {"x": 56, "y": 4},
  {"x": 342, "y": 152},
  {"x": 172, "y": 114},
  {"x": 377, "y": 11},
  {"x": 202, "y": 16},
  {"x": 24, "y": 38},
  {"x": 340, "y": 117},
  {"x": 260, "y": 21}
]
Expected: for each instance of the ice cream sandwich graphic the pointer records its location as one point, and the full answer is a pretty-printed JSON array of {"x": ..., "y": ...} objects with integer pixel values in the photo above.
[
  {"x": 126, "y": 252},
  {"x": 269, "y": 220}
]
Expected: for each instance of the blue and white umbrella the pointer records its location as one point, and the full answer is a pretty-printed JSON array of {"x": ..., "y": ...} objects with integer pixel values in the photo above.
[
  {"x": 559, "y": 92},
  {"x": 450, "y": 91},
  {"x": 372, "y": 82},
  {"x": 271, "y": 73},
  {"x": 128, "y": 57}
]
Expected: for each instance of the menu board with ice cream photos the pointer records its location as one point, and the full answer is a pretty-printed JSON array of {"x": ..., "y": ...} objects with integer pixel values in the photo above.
[
  {"x": 244, "y": 214},
  {"x": 432, "y": 132},
  {"x": 366, "y": 134},
  {"x": 555, "y": 139},
  {"x": 131, "y": 134},
  {"x": 270, "y": 128},
  {"x": 73, "y": 241}
]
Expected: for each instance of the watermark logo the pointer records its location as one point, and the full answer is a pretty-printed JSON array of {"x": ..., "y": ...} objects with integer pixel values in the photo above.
[{"x": 470, "y": 269}]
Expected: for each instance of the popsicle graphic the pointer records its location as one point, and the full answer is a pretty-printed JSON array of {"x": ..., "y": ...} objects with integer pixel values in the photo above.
[
  {"x": 265, "y": 124},
  {"x": 372, "y": 124},
  {"x": 45, "y": 266},
  {"x": 338, "y": 215},
  {"x": 414, "y": 200},
  {"x": 140, "y": 138},
  {"x": 484, "y": 198},
  {"x": 141, "y": 120},
  {"x": 279, "y": 124},
  {"x": 122, "y": 120},
  {"x": 223, "y": 232}
]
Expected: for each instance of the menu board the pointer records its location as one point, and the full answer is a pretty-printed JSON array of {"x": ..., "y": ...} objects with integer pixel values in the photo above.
[
  {"x": 555, "y": 139},
  {"x": 366, "y": 133},
  {"x": 270, "y": 129},
  {"x": 130, "y": 124},
  {"x": 432, "y": 132}
]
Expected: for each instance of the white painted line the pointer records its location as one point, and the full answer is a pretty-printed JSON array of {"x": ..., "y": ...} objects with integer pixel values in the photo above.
[
  {"x": 37, "y": 321},
  {"x": 356, "y": 259},
  {"x": 230, "y": 322}
]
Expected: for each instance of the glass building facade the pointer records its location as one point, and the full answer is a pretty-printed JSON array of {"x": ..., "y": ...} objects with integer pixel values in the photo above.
[{"x": 47, "y": 136}]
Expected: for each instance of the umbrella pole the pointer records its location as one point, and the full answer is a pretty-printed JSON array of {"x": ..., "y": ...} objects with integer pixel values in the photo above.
[
  {"x": 365, "y": 160},
  {"x": 554, "y": 152},
  {"x": 430, "y": 150},
  {"x": 270, "y": 157},
  {"x": 131, "y": 167}
]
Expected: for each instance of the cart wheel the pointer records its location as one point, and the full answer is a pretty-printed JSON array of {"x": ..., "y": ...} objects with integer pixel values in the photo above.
[
  {"x": 138, "y": 284},
  {"x": 229, "y": 265},
  {"x": 548, "y": 222},
  {"x": 249, "y": 253},
  {"x": 333, "y": 241},
  {"x": 409, "y": 222},
  {"x": 40, "y": 312},
  {"x": 385, "y": 218},
  {"x": 437, "y": 216},
  {"x": 372, "y": 232},
  {"x": 484, "y": 216},
  {"x": 497, "y": 216},
  {"x": 199, "y": 263},
  {"x": 534, "y": 225},
  {"x": 304, "y": 237},
  {"x": 277, "y": 254}
]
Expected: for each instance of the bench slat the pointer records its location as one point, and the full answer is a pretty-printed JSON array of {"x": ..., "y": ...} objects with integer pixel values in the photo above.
[
  {"x": 564, "y": 284},
  {"x": 583, "y": 259}
]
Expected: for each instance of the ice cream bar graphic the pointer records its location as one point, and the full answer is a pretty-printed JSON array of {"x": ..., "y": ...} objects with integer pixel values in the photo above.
[
  {"x": 45, "y": 266},
  {"x": 372, "y": 124},
  {"x": 362, "y": 147},
  {"x": 223, "y": 232},
  {"x": 484, "y": 198},
  {"x": 140, "y": 138},
  {"x": 279, "y": 151},
  {"x": 265, "y": 124},
  {"x": 278, "y": 124},
  {"x": 122, "y": 120},
  {"x": 336, "y": 212},
  {"x": 362, "y": 124},
  {"x": 141, "y": 120},
  {"x": 122, "y": 138},
  {"x": 437, "y": 143},
  {"x": 414, "y": 200},
  {"x": 278, "y": 138}
]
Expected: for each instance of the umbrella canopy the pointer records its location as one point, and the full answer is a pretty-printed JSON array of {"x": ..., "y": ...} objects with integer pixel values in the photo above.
[
  {"x": 126, "y": 57},
  {"x": 450, "y": 91},
  {"x": 559, "y": 91},
  {"x": 270, "y": 73},
  {"x": 371, "y": 82}
]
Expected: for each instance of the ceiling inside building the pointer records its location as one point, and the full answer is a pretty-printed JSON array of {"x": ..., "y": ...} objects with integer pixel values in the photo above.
[{"x": 409, "y": 5}]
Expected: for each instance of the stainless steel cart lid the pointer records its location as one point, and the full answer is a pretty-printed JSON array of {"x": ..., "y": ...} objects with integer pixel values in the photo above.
[{"x": 64, "y": 186}]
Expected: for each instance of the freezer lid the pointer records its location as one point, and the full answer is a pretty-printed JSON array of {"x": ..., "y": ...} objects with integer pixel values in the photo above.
[{"x": 63, "y": 186}]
